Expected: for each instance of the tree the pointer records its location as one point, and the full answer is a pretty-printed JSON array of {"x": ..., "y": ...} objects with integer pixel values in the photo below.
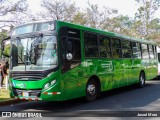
[
  {"x": 154, "y": 28},
  {"x": 120, "y": 24},
  {"x": 80, "y": 18},
  {"x": 11, "y": 12},
  {"x": 58, "y": 10},
  {"x": 64, "y": 10},
  {"x": 97, "y": 18},
  {"x": 144, "y": 16},
  {"x": 9, "y": 6},
  {"x": 3, "y": 34}
]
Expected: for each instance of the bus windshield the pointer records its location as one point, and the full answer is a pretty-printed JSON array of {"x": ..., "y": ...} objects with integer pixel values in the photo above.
[{"x": 37, "y": 53}]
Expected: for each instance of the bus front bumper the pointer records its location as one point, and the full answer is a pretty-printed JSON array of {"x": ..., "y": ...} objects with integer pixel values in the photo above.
[{"x": 47, "y": 95}]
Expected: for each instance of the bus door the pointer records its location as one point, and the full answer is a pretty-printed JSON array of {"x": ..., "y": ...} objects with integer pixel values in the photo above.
[
  {"x": 117, "y": 63},
  {"x": 136, "y": 64},
  {"x": 105, "y": 63},
  {"x": 70, "y": 62},
  {"x": 127, "y": 62}
]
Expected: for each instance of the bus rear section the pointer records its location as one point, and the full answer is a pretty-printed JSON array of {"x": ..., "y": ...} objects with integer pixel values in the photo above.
[{"x": 158, "y": 54}]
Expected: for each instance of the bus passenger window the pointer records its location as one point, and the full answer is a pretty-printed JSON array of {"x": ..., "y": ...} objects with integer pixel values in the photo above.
[
  {"x": 126, "y": 49},
  {"x": 145, "y": 53},
  {"x": 116, "y": 48},
  {"x": 136, "y": 50},
  {"x": 127, "y": 53},
  {"x": 151, "y": 51},
  {"x": 91, "y": 45},
  {"x": 104, "y": 47}
]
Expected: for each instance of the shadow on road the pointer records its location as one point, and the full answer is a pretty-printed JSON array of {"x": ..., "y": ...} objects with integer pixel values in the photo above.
[{"x": 118, "y": 99}]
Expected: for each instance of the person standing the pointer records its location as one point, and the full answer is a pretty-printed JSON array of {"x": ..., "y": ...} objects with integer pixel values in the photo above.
[{"x": 3, "y": 72}]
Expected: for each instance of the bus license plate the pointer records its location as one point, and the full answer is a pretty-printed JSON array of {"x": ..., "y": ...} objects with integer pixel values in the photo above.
[{"x": 25, "y": 94}]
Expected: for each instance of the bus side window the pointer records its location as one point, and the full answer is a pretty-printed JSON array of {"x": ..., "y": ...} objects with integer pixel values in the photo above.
[
  {"x": 145, "y": 53},
  {"x": 151, "y": 51},
  {"x": 104, "y": 47},
  {"x": 91, "y": 45},
  {"x": 136, "y": 47},
  {"x": 116, "y": 48},
  {"x": 126, "y": 49}
]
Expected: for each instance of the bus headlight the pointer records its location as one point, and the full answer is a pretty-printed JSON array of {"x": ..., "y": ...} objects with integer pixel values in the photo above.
[
  {"x": 49, "y": 84},
  {"x": 46, "y": 86},
  {"x": 53, "y": 82}
]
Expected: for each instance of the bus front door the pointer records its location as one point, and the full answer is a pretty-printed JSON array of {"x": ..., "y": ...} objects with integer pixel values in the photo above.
[{"x": 71, "y": 60}]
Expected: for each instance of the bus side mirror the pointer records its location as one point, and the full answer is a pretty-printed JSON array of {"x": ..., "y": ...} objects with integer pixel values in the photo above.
[
  {"x": 5, "y": 47},
  {"x": 69, "y": 56}
]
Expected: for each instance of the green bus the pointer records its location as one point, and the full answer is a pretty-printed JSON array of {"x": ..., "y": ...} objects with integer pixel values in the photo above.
[{"x": 57, "y": 61}]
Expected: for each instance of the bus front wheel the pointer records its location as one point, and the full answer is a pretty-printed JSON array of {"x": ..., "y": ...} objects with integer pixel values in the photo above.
[
  {"x": 92, "y": 90},
  {"x": 142, "y": 80}
]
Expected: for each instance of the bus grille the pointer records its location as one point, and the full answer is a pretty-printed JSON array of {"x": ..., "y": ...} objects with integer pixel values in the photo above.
[
  {"x": 27, "y": 76},
  {"x": 33, "y": 93}
]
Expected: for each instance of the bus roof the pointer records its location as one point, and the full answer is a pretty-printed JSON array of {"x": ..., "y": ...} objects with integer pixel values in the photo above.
[
  {"x": 34, "y": 22},
  {"x": 112, "y": 34}
]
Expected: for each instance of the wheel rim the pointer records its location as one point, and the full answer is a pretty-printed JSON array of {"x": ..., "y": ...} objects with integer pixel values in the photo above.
[
  {"x": 91, "y": 89},
  {"x": 142, "y": 79}
]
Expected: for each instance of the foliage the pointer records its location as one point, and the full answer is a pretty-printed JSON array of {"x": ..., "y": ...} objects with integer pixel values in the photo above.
[
  {"x": 12, "y": 12},
  {"x": 3, "y": 35},
  {"x": 7, "y": 50},
  {"x": 143, "y": 25},
  {"x": 144, "y": 17},
  {"x": 58, "y": 10},
  {"x": 97, "y": 18},
  {"x": 80, "y": 18}
]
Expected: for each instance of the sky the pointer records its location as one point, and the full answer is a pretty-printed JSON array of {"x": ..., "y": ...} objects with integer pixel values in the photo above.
[{"x": 124, "y": 7}]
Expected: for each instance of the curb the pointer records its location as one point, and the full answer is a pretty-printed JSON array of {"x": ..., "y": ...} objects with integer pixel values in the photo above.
[{"x": 11, "y": 101}]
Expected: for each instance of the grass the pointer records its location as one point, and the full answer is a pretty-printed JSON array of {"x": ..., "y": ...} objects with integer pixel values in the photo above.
[{"x": 4, "y": 94}]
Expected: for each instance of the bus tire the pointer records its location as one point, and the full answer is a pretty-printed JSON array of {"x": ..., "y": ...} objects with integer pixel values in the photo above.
[
  {"x": 141, "y": 80},
  {"x": 92, "y": 90}
]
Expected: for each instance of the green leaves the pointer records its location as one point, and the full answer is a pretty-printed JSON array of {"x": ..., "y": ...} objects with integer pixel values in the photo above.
[
  {"x": 143, "y": 25},
  {"x": 145, "y": 18}
]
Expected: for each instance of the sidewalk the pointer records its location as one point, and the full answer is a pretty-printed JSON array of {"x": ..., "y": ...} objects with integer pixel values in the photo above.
[{"x": 5, "y": 98}]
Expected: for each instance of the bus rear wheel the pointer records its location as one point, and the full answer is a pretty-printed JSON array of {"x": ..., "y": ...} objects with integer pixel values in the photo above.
[
  {"x": 142, "y": 80},
  {"x": 92, "y": 90}
]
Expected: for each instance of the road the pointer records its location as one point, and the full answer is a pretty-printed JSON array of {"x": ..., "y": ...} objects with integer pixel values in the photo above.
[{"x": 123, "y": 99}]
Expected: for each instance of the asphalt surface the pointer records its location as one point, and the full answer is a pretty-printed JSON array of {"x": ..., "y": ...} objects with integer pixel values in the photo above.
[{"x": 126, "y": 101}]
